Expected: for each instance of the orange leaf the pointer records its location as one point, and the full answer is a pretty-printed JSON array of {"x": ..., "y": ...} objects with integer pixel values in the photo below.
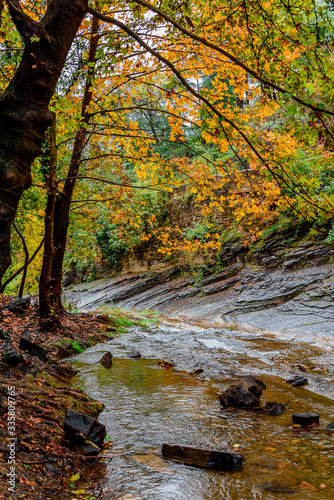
[{"x": 307, "y": 486}]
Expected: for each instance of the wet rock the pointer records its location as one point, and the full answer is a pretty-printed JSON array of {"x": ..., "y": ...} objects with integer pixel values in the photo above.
[
  {"x": 106, "y": 360},
  {"x": 297, "y": 381},
  {"x": 274, "y": 408},
  {"x": 330, "y": 427},
  {"x": 135, "y": 355},
  {"x": 212, "y": 459},
  {"x": 34, "y": 349},
  {"x": 305, "y": 419},
  {"x": 198, "y": 371},
  {"x": 246, "y": 394},
  {"x": 79, "y": 428}
]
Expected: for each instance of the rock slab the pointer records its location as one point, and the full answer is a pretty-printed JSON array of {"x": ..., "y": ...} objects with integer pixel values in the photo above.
[
  {"x": 305, "y": 419},
  {"x": 211, "y": 459}
]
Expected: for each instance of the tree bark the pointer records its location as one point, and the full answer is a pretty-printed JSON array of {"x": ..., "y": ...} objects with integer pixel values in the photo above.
[
  {"x": 64, "y": 202},
  {"x": 48, "y": 315},
  {"x": 26, "y": 260},
  {"x": 24, "y": 114}
]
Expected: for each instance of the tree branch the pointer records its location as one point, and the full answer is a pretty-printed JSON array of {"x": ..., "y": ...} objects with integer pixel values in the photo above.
[
  {"x": 24, "y": 24},
  {"x": 215, "y": 111},
  {"x": 227, "y": 54}
]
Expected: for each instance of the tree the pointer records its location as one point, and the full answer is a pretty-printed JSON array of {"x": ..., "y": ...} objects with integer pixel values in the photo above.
[
  {"x": 279, "y": 47},
  {"x": 24, "y": 113}
]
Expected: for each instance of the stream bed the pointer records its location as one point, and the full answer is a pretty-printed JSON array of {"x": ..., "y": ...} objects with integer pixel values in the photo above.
[{"x": 146, "y": 406}]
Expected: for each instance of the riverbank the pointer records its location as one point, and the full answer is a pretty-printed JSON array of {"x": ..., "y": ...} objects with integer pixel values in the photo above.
[
  {"x": 298, "y": 304},
  {"x": 35, "y": 392}
]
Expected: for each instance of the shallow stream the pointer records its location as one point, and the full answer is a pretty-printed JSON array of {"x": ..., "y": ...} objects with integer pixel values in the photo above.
[{"x": 146, "y": 405}]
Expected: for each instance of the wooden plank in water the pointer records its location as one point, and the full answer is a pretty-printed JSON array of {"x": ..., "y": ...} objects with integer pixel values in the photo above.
[{"x": 211, "y": 459}]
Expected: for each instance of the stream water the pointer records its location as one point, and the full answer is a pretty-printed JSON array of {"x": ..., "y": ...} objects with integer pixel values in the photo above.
[{"x": 146, "y": 405}]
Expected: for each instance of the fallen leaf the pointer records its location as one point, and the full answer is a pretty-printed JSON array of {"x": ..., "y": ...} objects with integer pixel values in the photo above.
[{"x": 307, "y": 486}]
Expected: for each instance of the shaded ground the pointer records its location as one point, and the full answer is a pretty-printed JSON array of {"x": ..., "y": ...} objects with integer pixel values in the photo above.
[{"x": 45, "y": 462}]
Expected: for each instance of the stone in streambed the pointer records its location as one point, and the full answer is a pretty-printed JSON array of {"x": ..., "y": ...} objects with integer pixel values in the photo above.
[
  {"x": 305, "y": 419},
  {"x": 106, "y": 360},
  {"x": 246, "y": 394},
  {"x": 80, "y": 428},
  {"x": 211, "y": 459},
  {"x": 135, "y": 355},
  {"x": 330, "y": 427},
  {"x": 274, "y": 408},
  {"x": 297, "y": 381}
]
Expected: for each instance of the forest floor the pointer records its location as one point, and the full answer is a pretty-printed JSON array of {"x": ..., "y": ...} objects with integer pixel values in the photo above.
[{"x": 39, "y": 391}]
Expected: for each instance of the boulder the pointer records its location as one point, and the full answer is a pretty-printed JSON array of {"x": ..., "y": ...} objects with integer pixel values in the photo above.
[
  {"x": 106, "y": 360},
  {"x": 246, "y": 394},
  {"x": 80, "y": 428},
  {"x": 211, "y": 459},
  {"x": 305, "y": 419}
]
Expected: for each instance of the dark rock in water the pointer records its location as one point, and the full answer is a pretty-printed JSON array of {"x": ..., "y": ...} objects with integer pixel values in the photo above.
[
  {"x": 274, "y": 408},
  {"x": 106, "y": 360},
  {"x": 34, "y": 349},
  {"x": 305, "y": 419},
  {"x": 79, "y": 428},
  {"x": 246, "y": 394},
  {"x": 211, "y": 459},
  {"x": 135, "y": 355},
  {"x": 330, "y": 427},
  {"x": 297, "y": 381}
]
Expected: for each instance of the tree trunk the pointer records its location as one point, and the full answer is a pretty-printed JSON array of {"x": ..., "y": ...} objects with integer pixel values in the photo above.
[
  {"x": 48, "y": 316},
  {"x": 64, "y": 202},
  {"x": 24, "y": 114}
]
